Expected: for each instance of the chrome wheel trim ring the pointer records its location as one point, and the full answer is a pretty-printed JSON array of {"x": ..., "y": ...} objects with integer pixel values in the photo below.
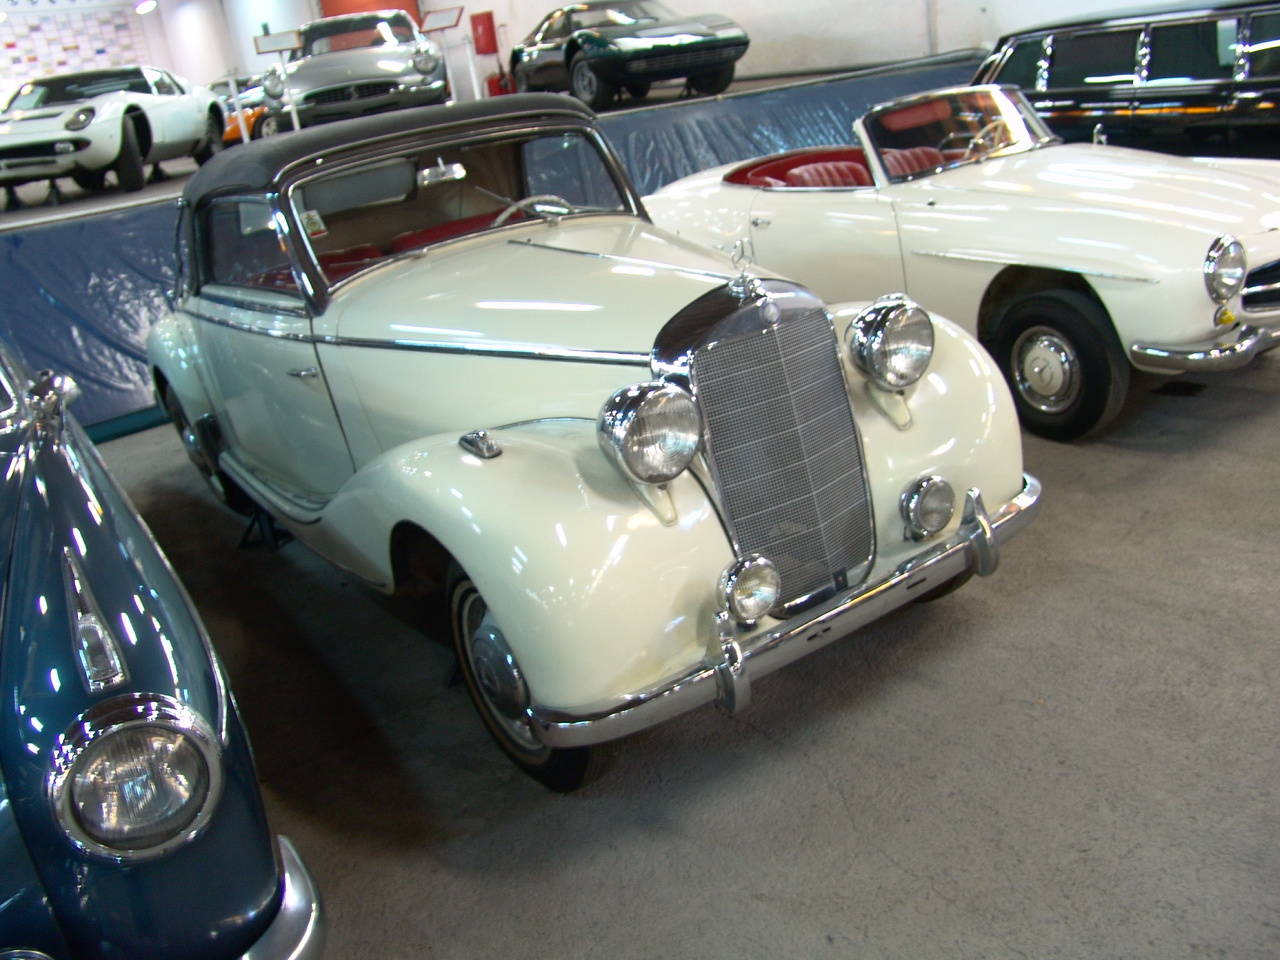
[
  {"x": 1046, "y": 370},
  {"x": 486, "y": 679}
]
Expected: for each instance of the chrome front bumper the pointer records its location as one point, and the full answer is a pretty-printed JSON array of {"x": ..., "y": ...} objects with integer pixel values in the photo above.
[
  {"x": 297, "y": 932},
  {"x": 1235, "y": 349},
  {"x": 727, "y": 678}
]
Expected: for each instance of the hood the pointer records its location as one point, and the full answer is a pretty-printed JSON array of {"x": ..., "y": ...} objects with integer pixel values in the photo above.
[
  {"x": 681, "y": 30},
  {"x": 618, "y": 280},
  {"x": 1158, "y": 189},
  {"x": 44, "y": 113},
  {"x": 384, "y": 62}
]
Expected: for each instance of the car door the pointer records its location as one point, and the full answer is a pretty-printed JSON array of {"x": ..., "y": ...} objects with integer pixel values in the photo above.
[
  {"x": 1187, "y": 69},
  {"x": 849, "y": 237},
  {"x": 547, "y": 67},
  {"x": 175, "y": 115},
  {"x": 255, "y": 337},
  {"x": 1091, "y": 81},
  {"x": 1257, "y": 91}
]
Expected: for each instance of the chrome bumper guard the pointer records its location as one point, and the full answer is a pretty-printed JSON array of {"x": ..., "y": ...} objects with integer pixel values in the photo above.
[
  {"x": 975, "y": 547},
  {"x": 1217, "y": 353},
  {"x": 297, "y": 932}
]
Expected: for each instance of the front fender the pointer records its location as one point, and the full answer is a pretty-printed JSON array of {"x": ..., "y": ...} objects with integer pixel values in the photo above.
[
  {"x": 596, "y": 596},
  {"x": 173, "y": 354}
]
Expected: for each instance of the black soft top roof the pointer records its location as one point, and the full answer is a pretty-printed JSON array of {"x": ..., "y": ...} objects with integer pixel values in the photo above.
[
  {"x": 253, "y": 167},
  {"x": 1169, "y": 7}
]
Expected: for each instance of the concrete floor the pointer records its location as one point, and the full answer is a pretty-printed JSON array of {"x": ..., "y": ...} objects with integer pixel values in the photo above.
[{"x": 1077, "y": 757}]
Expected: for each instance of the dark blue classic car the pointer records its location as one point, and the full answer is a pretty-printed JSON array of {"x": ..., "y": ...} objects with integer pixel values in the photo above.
[{"x": 131, "y": 825}]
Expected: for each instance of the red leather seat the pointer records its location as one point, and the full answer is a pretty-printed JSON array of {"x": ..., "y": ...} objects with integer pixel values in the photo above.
[
  {"x": 830, "y": 173},
  {"x": 444, "y": 231}
]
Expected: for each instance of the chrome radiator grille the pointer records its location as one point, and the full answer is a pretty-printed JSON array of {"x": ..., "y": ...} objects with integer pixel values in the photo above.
[
  {"x": 784, "y": 451},
  {"x": 1262, "y": 287}
]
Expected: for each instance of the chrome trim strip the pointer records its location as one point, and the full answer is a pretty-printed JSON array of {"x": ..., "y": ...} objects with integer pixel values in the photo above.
[
  {"x": 299, "y": 311},
  {"x": 974, "y": 546},
  {"x": 1007, "y": 261},
  {"x": 298, "y": 930},
  {"x": 526, "y": 351},
  {"x": 1217, "y": 353},
  {"x": 249, "y": 327},
  {"x": 1261, "y": 288}
]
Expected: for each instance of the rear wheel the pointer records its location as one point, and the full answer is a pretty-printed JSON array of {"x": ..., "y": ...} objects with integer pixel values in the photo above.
[
  {"x": 712, "y": 82},
  {"x": 223, "y": 487},
  {"x": 1063, "y": 361},
  {"x": 267, "y": 125},
  {"x": 498, "y": 690},
  {"x": 595, "y": 92},
  {"x": 128, "y": 165},
  {"x": 213, "y": 142}
]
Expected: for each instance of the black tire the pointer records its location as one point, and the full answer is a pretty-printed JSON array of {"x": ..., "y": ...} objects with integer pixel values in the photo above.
[
  {"x": 223, "y": 487},
  {"x": 128, "y": 165},
  {"x": 639, "y": 89},
  {"x": 562, "y": 769},
  {"x": 91, "y": 181},
  {"x": 1063, "y": 361},
  {"x": 596, "y": 92},
  {"x": 714, "y": 81},
  {"x": 213, "y": 143}
]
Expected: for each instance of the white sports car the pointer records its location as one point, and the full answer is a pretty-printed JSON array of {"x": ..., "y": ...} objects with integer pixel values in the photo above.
[
  {"x": 1071, "y": 263},
  {"x": 81, "y": 125}
]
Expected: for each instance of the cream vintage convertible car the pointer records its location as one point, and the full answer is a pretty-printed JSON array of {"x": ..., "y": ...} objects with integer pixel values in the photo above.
[
  {"x": 446, "y": 348},
  {"x": 1071, "y": 263}
]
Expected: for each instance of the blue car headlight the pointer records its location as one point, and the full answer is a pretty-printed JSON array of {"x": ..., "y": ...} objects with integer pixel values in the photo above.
[{"x": 135, "y": 776}]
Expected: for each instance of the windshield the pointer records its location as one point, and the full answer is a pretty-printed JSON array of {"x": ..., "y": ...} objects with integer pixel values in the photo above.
[
  {"x": 621, "y": 14},
  {"x": 347, "y": 33},
  {"x": 374, "y": 211},
  {"x": 71, "y": 87},
  {"x": 921, "y": 135}
]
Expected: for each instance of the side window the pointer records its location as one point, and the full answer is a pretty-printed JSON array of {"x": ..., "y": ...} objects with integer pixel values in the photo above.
[
  {"x": 556, "y": 29},
  {"x": 161, "y": 83},
  {"x": 1264, "y": 45},
  {"x": 241, "y": 248},
  {"x": 1021, "y": 65},
  {"x": 1201, "y": 50},
  {"x": 1094, "y": 59}
]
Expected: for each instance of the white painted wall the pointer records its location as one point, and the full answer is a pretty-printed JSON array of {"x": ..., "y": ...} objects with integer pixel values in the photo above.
[{"x": 198, "y": 42}]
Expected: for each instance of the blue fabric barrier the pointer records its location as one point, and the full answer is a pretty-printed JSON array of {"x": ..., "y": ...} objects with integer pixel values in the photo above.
[{"x": 80, "y": 294}]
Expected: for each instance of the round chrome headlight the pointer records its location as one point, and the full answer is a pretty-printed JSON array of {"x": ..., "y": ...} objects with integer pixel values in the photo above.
[
  {"x": 1224, "y": 268},
  {"x": 426, "y": 58},
  {"x": 927, "y": 506},
  {"x": 273, "y": 82},
  {"x": 135, "y": 776},
  {"x": 749, "y": 588},
  {"x": 80, "y": 119},
  {"x": 891, "y": 341},
  {"x": 650, "y": 430}
]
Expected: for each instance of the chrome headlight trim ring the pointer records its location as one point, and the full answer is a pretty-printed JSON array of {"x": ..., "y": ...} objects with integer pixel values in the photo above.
[
  {"x": 80, "y": 119},
  {"x": 110, "y": 718},
  {"x": 643, "y": 454},
  {"x": 425, "y": 58},
  {"x": 1225, "y": 268},
  {"x": 273, "y": 82},
  {"x": 891, "y": 341}
]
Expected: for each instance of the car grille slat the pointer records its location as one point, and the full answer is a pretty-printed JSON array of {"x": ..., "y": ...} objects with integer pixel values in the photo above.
[
  {"x": 686, "y": 59},
  {"x": 784, "y": 451},
  {"x": 350, "y": 92},
  {"x": 1262, "y": 287}
]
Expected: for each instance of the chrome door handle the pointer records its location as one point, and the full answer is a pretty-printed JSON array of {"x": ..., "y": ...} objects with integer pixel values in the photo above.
[{"x": 304, "y": 373}]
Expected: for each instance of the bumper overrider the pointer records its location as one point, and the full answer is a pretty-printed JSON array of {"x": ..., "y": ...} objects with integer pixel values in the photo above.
[
  {"x": 297, "y": 932},
  {"x": 1223, "y": 352},
  {"x": 727, "y": 676}
]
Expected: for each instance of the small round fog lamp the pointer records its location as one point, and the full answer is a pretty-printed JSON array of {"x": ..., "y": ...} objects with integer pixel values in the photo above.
[
  {"x": 750, "y": 587},
  {"x": 927, "y": 506}
]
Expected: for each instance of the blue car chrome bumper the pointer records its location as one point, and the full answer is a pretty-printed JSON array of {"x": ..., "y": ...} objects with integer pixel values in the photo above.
[{"x": 297, "y": 932}]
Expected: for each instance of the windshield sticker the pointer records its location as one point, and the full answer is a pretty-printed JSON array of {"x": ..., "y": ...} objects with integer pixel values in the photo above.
[{"x": 313, "y": 223}]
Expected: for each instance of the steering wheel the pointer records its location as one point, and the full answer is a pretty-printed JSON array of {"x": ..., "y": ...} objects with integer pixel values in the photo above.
[
  {"x": 955, "y": 137},
  {"x": 530, "y": 205},
  {"x": 981, "y": 138}
]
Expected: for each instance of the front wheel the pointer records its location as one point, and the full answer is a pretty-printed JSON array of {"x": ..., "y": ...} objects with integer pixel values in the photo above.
[
  {"x": 595, "y": 92},
  {"x": 128, "y": 165},
  {"x": 498, "y": 691},
  {"x": 712, "y": 81},
  {"x": 1063, "y": 361},
  {"x": 267, "y": 125},
  {"x": 213, "y": 142}
]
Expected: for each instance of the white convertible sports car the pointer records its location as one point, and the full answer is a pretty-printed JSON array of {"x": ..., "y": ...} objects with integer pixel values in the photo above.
[
  {"x": 447, "y": 350},
  {"x": 81, "y": 125},
  {"x": 1071, "y": 263}
]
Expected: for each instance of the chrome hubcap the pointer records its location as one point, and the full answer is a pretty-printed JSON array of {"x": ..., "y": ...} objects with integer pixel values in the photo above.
[
  {"x": 498, "y": 675},
  {"x": 1046, "y": 369},
  {"x": 585, "y": 81}
]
